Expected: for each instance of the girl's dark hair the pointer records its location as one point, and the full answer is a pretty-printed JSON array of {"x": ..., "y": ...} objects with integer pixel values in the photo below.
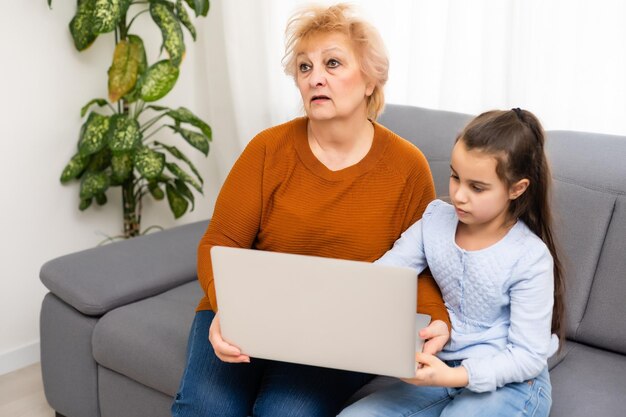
[{"x": 516, "y": 139}]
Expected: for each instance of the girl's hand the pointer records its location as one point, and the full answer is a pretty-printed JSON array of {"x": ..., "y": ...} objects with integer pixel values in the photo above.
[
  {"x": 224, "y": 350},
  {"x": 435, "y": 372},
  {"x": 436, "y": 335}
]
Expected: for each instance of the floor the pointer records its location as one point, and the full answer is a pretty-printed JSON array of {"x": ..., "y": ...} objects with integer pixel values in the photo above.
[{"x": 21, "y": 394}]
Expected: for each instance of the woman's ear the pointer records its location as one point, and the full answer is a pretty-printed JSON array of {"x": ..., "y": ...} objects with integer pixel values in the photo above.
[{"x": 518, "y": 188}]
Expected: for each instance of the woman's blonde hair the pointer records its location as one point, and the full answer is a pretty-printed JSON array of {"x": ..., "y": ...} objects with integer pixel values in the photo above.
[{"x": 341, "y": 18}]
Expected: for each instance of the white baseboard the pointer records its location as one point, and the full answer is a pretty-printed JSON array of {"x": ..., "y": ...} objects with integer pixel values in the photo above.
[{"x": 19, "y": 358}]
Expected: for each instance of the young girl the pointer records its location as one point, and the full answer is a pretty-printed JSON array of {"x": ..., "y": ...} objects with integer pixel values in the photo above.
[{"x": 493, "y": 255}]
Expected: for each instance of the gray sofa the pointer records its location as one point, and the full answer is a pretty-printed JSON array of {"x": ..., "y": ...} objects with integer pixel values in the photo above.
[{"x": 114, "y": 325}]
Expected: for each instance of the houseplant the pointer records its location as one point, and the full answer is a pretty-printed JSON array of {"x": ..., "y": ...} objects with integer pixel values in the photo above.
[{"x": 116, "y": 145}]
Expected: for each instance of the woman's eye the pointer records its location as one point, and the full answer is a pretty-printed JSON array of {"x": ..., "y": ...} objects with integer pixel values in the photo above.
[
  {"x": 477, "y": 189},
  {"x": 304, "y": 67},
  {"x": 332, "y": 63},
  {"x": 454, "y": 177}
]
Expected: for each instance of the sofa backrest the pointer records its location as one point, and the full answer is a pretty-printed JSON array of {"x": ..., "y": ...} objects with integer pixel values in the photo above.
[{"x": 589, "y": 206}]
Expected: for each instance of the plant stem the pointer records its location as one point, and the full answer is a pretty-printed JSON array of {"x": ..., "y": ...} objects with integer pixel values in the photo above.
[
  {"x": 152, "y": 133},
  {"x": 135, "y": 17},
  {"x": 131, "y": 208}
]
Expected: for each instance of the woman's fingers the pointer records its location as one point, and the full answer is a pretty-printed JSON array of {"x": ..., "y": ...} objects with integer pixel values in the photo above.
[{"x": 224, "y": 350}]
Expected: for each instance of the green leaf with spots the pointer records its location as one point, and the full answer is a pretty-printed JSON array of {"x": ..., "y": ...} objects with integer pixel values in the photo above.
[
  {"x": 93, "y": 183},
  {"x": 100, "y": 161},
  {"x": 75, "y": 167},
  {"x": 177, "y": 202},
  {"x": 81, "y": 25},
  {"x": 124, "y": 133},
  {"x": 158, "y": 80},
  {"x": 107, "y": 14},
  {"x": 155, "y": 190},
  {"x": 184, "y": 115},
  {"x": 126, "y": 67},
  {"x": 182, "y": 188},
  {"x": 84, "y": 204},
  {"x": 195, "y": 139},
  {"x": 99, "y": 101},
  {"x": 173, "y": 40},
  {"x": 121, "y": 167},
  {"x": 183, "y": 16},
  {"x": 178, "y": 154},
  {"x": 93, "y": 134},
  {"x": 182, "y": 175},
  {"x": 149, "y": 163},
  {"x": 200, "y": 7},
  {"x": 101, "y": 199}
]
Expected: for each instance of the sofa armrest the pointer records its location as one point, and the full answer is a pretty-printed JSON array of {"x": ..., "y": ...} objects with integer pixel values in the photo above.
[{"x": 98, "y": 280}]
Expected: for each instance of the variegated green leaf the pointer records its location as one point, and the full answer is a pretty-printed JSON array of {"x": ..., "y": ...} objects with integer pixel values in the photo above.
[
  {"x": 201, "y": 7},
  {"x": 93, "y": 183},
  {"x": 182, "y": 188},
  {"x": 93, "y": 134},
  {"x": 124, "y": 133},
  {"x": 100, "y": 160},
  {"x": 101, "y": 199},
  {"x": 107, "y": 14},
  {"x": 121, "y": 167},
  {"x": 178, "y": 204},
  {"x": 149, "y": 163},
  {"x": 84, "y": 204},
  {"x": 184, "y": 115},
  {"x": 178, "y": 154},
  {"x": 182, "y": 175},
  {"x": 195, "y": 139},
  {"x": 155, "y": 190},
  {"x": 81, "y": 25},
  {"x": 124, "y": 68},
  {"x": 74, "y": 168},
  {"x": 99, "y": 101},
  {"x": 158, "y": 80},
  {"x": 173, "y": 40},
  {"x": 183, "y": 16}
]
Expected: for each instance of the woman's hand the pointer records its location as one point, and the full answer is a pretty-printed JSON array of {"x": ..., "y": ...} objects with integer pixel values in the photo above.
[
  {"x": 224, "y": 350},
  {"x": 434, "y": 372},
  {"x": 436, "y": 336}
]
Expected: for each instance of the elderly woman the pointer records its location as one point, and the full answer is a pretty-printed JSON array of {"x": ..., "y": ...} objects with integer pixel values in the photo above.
[{"x": 334, "y": 184}]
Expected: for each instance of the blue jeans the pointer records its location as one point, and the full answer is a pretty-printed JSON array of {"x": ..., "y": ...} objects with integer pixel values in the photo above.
[
  {"x": 531, "y": 398},
  {"x": 210, "y": 387}
]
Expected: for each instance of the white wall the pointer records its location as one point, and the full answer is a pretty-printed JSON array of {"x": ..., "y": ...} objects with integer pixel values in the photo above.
[{"x": 45, "y": 82}]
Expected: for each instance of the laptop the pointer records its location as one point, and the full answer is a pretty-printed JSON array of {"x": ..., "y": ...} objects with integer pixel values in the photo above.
[{"x": 332, "y": 313}]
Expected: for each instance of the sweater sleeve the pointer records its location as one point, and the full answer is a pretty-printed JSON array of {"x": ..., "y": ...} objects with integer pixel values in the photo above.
[
  {"x": 529, "y": 338},
  {"x": 429, "y": 298},
  {"x": 237, "y": 214}
]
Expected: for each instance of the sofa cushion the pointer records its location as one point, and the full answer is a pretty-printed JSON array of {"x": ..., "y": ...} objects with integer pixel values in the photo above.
[
  {"x": 588, "y": 382},
  {"x": 603, "y": 324},
  {"x": 580, "y": 237},
  {"x": 97, "y": 280},
  {"x": 146, "y": 341}
]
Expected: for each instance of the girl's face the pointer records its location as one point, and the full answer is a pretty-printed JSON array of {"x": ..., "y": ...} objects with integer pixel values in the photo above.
[
  {"x": 330, "y": 80},
  {"x": 480, "y": 197}
]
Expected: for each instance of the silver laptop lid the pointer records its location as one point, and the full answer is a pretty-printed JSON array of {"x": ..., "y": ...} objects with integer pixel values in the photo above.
[{"x": 318, "y": 311}]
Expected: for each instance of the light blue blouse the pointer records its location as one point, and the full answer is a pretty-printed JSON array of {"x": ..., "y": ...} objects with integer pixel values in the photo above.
[{"x": 499, "y": 298}]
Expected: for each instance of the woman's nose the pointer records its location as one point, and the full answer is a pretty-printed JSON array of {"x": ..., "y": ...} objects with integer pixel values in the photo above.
[{"x": 318, "y": 77}]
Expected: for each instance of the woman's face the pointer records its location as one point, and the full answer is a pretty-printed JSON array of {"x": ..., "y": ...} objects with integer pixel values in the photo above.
[{"x": 330, "y": 80}]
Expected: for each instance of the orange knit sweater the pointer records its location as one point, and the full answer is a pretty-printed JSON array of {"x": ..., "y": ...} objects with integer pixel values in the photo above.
[{"x": 279, "y": 197}]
